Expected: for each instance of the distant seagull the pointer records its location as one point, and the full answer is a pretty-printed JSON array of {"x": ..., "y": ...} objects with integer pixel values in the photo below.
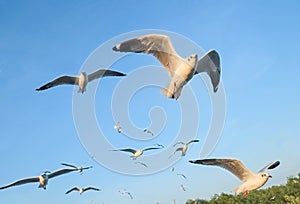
[
  {"x": 159, "y": 145},
  {"x": 183, "y": 176},
  {"x": 80, "y": 169},
  {"x": 118, "y": 127},
  {"x": 149, "y": 132},
  {"x": 136, "y": 153},
  {"x": 126, "y": 192},
  {"x": 251, "y": 181},
  {"x": 42, "y": 179},
  {"x": 184, "y": 148},
  {"x": 180, "y": 70},
  {"x": 81, "y": 80},
  {"x": 182, "y": 187},
  {"x": 172, "y": 169},
  {"x": 81, "y": 190},
  {"x": 141, "y": 163}
]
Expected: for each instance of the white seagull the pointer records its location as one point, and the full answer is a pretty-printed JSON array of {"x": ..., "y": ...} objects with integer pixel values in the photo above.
[
  {"x": 184, "y": 148},
  {"x": 81, "y": 190},
  {"x": 118, "y": 127},
  {"x": 136, "y": 153},
  {"x": 80, "y": 169},
  {"x": 81, "y": 80},
  {"x": 251, "y": 181},
  {"x": 180, "y": 70},
  {"x": 42, "y": 179}
]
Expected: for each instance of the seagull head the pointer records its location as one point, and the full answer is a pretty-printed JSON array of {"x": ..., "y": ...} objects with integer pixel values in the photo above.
[{"x": 265, "y": 175}]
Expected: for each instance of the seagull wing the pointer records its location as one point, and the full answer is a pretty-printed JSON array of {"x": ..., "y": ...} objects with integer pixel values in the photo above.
[
  {"x": 91, "y": 188},
  {"x": 158, "y": 45},
  {"x": 151, "y": 148},
  {"x": 182, "y": 175},
  {"x": 192, "y": 141},
  {"x": 126, "y": 150},
  {"x": 59, "y": 81},
  {"x": 103, "y": 73},
  {"x": 178, "y": 149},
  {"x": 72, "y": 189},
  {"x": 69, "y": 165},
  {"x": 210, "y": 63},
  {"x": 60, "y": 172},
  {"x": 235, "y": 166},
  {"x": 272, "y": 165},
  {"x": 177, "y": 143},
  {"x": 20, "y": 182}
]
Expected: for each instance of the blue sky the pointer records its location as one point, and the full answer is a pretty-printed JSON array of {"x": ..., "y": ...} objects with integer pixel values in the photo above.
[{"x": 39, "y": 40}]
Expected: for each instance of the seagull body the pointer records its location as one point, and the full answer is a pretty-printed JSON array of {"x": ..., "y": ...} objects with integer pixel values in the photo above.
[
  {"x": 118, "y": 127},
  {"x": 136, "y": 153},
  {"x": 82, "y": 190},
  {"x": 184, "y": 148},
  {"x": 42, "y": 179},
  {"x": 180, "y": 70},
  {"x": 79, "y": 169},
  {"x": 251, "y": 181},
  {"x": 81, "y": 80}
]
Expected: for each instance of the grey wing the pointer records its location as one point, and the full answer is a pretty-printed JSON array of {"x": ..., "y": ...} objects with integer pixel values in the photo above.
[
  {"x": 102, "y": 73},
  {"x": 69, "y": 165},
  {"x": 178, "y": 149},
  {"x": 210, "y": 63},
  {"x": 272, "y": 165},
  {"x": 151, "y": 148},
  {"x": 236, "y": 167},
  {"x": 72, "y": 189},
  {"x": 158, "y": 45},
  {"x": 92, "y": 188},
  {"x": 60, "y": 172},
  {"x": 182, "y": 175},
  {"x": 59, "y": 81},
  {"x": 177, "y": 143},
  {"x": 192, "y": 141},
  {"x": 126, "y": 150},
  {"x": 20, "y": 182}
]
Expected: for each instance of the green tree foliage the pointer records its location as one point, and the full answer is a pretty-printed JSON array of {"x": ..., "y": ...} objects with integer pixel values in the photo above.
[{"x": 288, "y": 193}]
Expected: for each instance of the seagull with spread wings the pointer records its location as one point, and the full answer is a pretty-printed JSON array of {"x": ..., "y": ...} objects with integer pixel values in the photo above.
[
  {"x": 82, "y": 190},
  {"x": 136, "y": 153},
  {"x": 42, "y": 179},
  {"x": 251, "y": 181},
  {"x": 180, "y": 70},
  {"x": 184, "y": 147},
  {"x": 81, "y": 80}
]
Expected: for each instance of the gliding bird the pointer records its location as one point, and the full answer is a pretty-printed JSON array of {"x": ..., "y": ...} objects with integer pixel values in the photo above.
[
  {"x": 82, "y": 190},
  {"x": 184, "y": 148},
  {"x": 136, "y": 153}
]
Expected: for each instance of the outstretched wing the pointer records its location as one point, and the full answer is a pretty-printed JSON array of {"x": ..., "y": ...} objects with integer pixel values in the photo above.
[
  {"x": 158, "y": 45},
  {"x": 126, "y": 150},
  {"x": 72, "y": 189},
  {"x": 177, "y": 143},
  {"x": 103, "y": 73},
  {"x": 69, "y": 165},
  {"x": 59, "y": 81},
  {"x": 20, "y": 182},
  {"x": 178, "y": 149},
  {"x": 272, "y": 165},
  {"x": 91, "y": 188},
  {"x": 192, "y": 141},
  {"x": 151, "y": 148},
  {"x": 210, "y": 63},
  {"x": 235, "y": 166},
  {"x": 60, "y": 172}
]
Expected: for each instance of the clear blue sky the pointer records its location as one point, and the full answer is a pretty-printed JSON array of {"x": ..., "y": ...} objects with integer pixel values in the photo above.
[{"x": 40, "y": 40}]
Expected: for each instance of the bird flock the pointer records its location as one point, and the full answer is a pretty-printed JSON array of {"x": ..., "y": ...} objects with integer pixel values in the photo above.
[{"x": 181, "y": 71}]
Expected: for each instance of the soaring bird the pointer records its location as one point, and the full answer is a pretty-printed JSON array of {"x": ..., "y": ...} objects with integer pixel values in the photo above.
[
  {"x": 149, "y": 132},
  {"x": 76, "y": 168},
  {"x": 126, "y": 192},
  {"x": 184, "y": 148},
  {"x": 136, "y": 153},
  {"x": 81, "y": 190},
  {"x": 180, "y": 70},
  {"x": 251, "y": 181},
  {"x": 81, "y": 80},
  {"x": 118, "y": 127},
  {"x": 42, "y": 179}
]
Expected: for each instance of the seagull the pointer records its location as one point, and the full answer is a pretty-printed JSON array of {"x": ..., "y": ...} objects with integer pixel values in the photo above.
[
  {"x": 184, "y": 148},
  {"x": 136, "y": 153},
  {"x": 118, "y": 127},
  {"x": 149, "y": 132},
  {"x": 180, "y": 70},
  {"x": 81, "y": 190},
  {"x": 126, "y": 192},
  {"x": 182, "y": 175},
  {"x": 182, "y": 187},
  {"x": 159, "y": 145},
  {"x": 42, "y": 179},
  {"x": 141, "y": 163},
  {"x": 251, "y": 181},
  {"x": 81, "y": 80},
  {"x": 80, "y": 169}
]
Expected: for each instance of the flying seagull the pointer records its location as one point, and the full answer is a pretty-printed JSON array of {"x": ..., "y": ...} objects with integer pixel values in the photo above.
[
  {"x": 118, "y": 127},
  {"x": 42, "y": 179},
  {"x": 149, "y": 132},
  {"x": 136, "y": 153},
  {"x": 182, "y": 187},
  {"x": 251, "y": 181},
  {"x": 184, "y": 148},
  {"x": 180, "y": 70},
  {"x": 183, "y": 176},
  {"x": 76, "y": 168},
  {"x": 126, "y": 192},
  {"x": 81, "y": 190},
  {"x": 141, "y": 163},
  {"x": 81, "y": 80}
]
